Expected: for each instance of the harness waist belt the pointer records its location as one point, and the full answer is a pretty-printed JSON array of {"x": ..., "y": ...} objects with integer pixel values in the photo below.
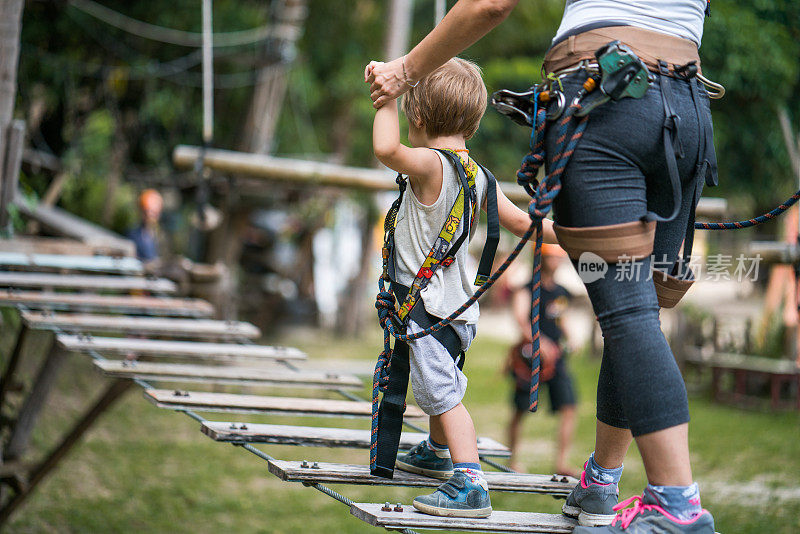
[{"x": 649, "y": 45}]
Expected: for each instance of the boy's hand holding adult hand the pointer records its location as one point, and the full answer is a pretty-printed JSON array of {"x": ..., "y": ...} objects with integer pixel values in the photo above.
[{"x": 387, "y": 81}]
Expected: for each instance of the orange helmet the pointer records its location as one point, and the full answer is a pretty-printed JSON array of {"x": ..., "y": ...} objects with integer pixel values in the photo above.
[
  {"x": 553, "y": 250},
  {"x": 150, "y": 199}
]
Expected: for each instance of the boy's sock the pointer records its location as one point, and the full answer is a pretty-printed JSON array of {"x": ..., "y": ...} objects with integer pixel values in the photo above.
[
  {"x": 681, "y": 501},
  {"x": 436, "y": 447},
  {"x": 600, "y": 474},
  {"x": 472, "y": 470}
]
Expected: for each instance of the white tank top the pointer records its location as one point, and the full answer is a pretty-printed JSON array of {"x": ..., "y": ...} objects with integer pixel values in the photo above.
[
  {"x": 416, "y": 230},
  {"x": 680, "y": 18}
]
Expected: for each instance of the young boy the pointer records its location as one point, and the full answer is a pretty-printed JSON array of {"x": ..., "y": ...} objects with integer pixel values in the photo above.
[{"x": 444, "y": 110}]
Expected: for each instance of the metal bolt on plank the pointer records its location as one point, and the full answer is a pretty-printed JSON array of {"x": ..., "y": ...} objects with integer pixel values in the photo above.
[
  {"x": 315, "y": 465},
  {"x": 398, "y": 507},
  {"x": 304, "y": 464},
  {"x": 386, "y": 507}
]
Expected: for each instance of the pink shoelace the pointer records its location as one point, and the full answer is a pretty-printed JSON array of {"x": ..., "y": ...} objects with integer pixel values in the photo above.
[{"x": 626, "y": 516}]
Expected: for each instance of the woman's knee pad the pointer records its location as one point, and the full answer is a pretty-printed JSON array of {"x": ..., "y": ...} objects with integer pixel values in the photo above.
[{"x": 613, "y": 243}]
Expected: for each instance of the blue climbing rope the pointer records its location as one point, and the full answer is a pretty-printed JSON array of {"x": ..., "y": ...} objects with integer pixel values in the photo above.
[{"x": 737, "y": 225}]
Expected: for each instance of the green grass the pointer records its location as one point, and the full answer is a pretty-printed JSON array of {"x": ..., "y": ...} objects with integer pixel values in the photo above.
[{"x": 146, "y": 469}]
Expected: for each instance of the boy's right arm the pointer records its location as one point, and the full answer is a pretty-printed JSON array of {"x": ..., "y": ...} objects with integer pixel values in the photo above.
[
  {"x": 394, "y": 154},
  {"x": 422, "y": 165}
]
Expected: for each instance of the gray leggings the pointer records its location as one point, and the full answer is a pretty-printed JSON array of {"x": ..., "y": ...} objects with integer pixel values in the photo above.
[{"x": 617, "y": 174}]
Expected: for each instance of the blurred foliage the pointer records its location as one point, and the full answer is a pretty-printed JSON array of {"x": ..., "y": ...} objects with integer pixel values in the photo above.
[{"x": 96, "y": 82}]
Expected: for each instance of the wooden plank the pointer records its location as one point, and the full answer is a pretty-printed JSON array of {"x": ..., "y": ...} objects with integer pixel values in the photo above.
[
  {"x": 230, "y": 402},
  {"x": 499, "y": 521},
  {"x": 107, "y": 303},
  {"x": 78, "y": 281},
  {"x": 193, "y": 349},
  {"x": 149, "y": 326},
  {"x": 313, "y": 436},
  {"x": 175, "y": 372},
  {"x": 55, "y": 245},
  {"x": 745, "y": 362},
  {"x": 63, "y": 223},
  {"x": 327, "y": 473},
  {"x": 340, "y": 365},
  {"x": 110, "y": 264}
]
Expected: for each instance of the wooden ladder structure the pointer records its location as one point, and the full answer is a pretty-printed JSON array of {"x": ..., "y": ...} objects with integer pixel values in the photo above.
[{"x": 177, "y": 343}]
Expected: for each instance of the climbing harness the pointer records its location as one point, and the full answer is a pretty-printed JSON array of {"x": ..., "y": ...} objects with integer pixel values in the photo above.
[{"x": 392, "y": 369}]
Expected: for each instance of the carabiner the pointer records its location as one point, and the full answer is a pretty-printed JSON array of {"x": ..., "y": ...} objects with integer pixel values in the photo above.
[
  {"x": 516, "y": 106},
  {"x": 561, "y": 105}
]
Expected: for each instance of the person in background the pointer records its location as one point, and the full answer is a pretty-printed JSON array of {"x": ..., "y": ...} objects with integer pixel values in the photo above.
[
  {"x": 554, "y": 372},
  {"x": 146, "y": 236}
]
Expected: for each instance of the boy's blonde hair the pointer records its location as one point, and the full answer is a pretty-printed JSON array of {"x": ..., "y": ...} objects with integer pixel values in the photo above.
[{"x": 450, "y": 100}]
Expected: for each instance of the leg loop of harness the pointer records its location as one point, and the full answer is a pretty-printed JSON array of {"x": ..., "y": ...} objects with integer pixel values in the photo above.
[
  {"x": 671, "y": 289},
  {"x": 614, "y": 242}
]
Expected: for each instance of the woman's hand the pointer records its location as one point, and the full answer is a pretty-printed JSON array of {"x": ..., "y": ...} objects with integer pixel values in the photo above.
[{"x": 387, "y": 81}]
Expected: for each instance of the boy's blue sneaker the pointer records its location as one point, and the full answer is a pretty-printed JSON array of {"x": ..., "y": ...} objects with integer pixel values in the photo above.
[
  {"x": 458, "y": 497},
  {"x": 591, "y": 503},
  {"x": 424, "y": 461},
  {"x": 646, "y": 517}
]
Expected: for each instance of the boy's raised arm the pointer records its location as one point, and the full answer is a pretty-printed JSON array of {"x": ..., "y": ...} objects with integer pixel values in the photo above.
[
  {"x": 518, "y": 221},
  {"x": 415, "y": 162}
]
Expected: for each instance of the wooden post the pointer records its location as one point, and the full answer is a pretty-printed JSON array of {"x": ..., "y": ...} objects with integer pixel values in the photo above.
[
  {"x": 398, "y": 28},
  {"x": 15, "y": 136},
  {"x": 10, "y": 28},
  {"x": 21, "y": 434},
  {"x": 269, "y": 93},
  {"x": 38, "y": 473},
  {"x": 6, "y": 379}
]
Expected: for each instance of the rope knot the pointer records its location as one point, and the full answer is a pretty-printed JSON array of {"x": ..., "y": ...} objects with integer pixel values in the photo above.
[{"x": 385, "y": 304}]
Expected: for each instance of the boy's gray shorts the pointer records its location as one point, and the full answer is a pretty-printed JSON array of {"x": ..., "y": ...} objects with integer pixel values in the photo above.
[{"x": 438, "y": 384}]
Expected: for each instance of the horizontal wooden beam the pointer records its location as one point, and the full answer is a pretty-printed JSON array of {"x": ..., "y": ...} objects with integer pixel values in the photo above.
[
  {"x": 327, "y": 473},
  {"x": 223, "y": 374},
  {"x": 308, "y": 172},
  {"x": 192, "y": 349},
  {"x": 106, "y": 303},
  {"x": 775, "y": 251},
  {"x": 64, "y": 262},
  {"x": 118, "y": 284},
  {"x": 313, "y": 436},
  {"x": 146, "y": 326},
  {"x": 499, "y": 521},
  {"x": 745, "y": 362},
  {"x": 230, "y": 402}
]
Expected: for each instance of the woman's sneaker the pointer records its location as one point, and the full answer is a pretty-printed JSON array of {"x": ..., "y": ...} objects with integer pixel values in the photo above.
[
  {"x": 424, "y": 461},
  {"x": 646, "y": 517},
  {"x": 458, "y": 497},
  {"x": 592, "y": 503}
]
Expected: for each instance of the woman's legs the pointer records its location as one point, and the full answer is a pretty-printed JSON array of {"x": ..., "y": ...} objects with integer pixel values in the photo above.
[
  {"x": 610, "y": 445},
  {"x": 614, "y": 176}
]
